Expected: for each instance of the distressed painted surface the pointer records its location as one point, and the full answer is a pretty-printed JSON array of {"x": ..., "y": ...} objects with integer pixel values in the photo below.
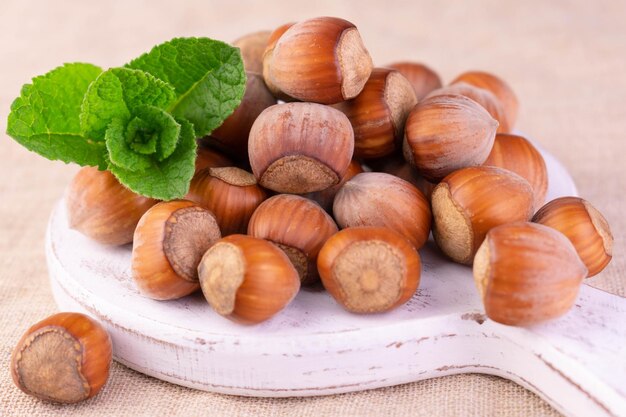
[{"x": 576, "y": 363}]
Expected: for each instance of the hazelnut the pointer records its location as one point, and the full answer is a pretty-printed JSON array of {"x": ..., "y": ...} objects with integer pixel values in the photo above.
[
  {"x": 527, "y": 273},
  {"x": 422, "y": 78},
  {"x": 64, "y": 358},
  {"x": 369, "y": 269},
  {"x": 481, "y": 96},
  {"x": 296, "y": 225},
  {"x": 584, "y": 226},
  {"x": 232, "y": 135},
  {"x": 470, "y": 202},
  {"x": 246, "y": 279},
  {"x": 210, "y": 158},
  {"x": 446, "y": 133},
  {"x": 300, "y": 147},
  {"x": 382, "y": 200},
  {"x": 230, "y": 193},
  {"x": 321, "y": 60},
  {"x": 379, "y": 112},
  {"x": 517, "y": 154},
  {"x": 101, "y": 208},
  {"x": 498, "y": 87},
  {"x": 251, "y": 47},
  {"x": 267, "y": 60},
  {"x": 397, "y": 166},
  {"x": 326, "y": 197},
  {"x": 169, "y": 242}
]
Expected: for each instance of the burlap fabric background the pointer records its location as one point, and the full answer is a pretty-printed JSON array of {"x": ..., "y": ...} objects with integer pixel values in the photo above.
[{"x": 565, "y": 59}]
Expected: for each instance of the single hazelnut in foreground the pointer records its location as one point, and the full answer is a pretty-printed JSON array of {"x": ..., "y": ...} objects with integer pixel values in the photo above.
[
  {"x": 64, "y": 358},
  {"x": 321, "y": 60},
  {"x": 209, "y": 158},
  {"x": 527, "y": 273},
  {"x": 397, "y": 166},
  {"x": 251, "y": 47},
  {"x": 326, "y": 197},
  {"x": 382, "y": 200},
  {"x": 102, "y": 209},
  {"x": 518, "y": 155},
  {"x": 267, "y": 61},
  {"x": 232, "y": 135},
  {"x": 481, "y": 96},
  {"x": 299, "y": 148},
  {"x": 470, "y": 202},
  {"x": 379, "y": 112},
  {"x": 169, "y": 242},
  {"x": 498, "y": 87},
  {"x": 584, "y": 226},
  {"x": 296, "y": 225},
  {"x": 369, "y": 269},
  {"x": 246, "y": 279},
  {"x": 422, "y": 78},
  {"x": 446, "y": 133},
  {"x": 230, "y": 193}
]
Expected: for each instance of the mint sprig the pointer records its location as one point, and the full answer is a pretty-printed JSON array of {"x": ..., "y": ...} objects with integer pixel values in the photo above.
[
  {"x": 208, "y": 77},
  {"x": 140, "y": 121},
  {"x": 45, "y": 117}
]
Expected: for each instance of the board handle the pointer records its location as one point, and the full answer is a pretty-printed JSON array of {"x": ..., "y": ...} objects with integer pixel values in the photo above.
[{"x": 581, "y": 356}]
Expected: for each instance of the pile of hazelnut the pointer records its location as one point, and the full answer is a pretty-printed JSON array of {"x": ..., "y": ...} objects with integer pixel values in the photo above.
[{"x": 332, "y": 170}]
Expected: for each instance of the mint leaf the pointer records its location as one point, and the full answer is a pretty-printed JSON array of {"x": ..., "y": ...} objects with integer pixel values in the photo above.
[
  {"x": 116, "y": 94},
  {"x": 167, "y": 179},
  {"x": 208, "y": 77},
  {"x": 152, "y": 133},
  {"x": 120, "y": 153},
  {"x": 45, "y": 117}
]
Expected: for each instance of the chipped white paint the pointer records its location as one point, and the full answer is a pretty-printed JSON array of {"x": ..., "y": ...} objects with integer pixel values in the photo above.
[{"x": 576, "y": 363}]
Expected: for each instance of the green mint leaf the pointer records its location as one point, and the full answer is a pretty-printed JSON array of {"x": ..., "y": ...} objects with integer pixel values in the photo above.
[
  {"x": 117, "y": 94},
  {"x": 120, "y": 152},
  {"x": 45, "y": 117},
  {"x": 167, "y": 179},
  {"x": 151, "y": 134},
  {"x": 208, "y": 77}
]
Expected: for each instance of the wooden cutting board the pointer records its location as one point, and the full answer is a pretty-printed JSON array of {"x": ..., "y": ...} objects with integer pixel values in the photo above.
[{"x": 314, "y": 347}]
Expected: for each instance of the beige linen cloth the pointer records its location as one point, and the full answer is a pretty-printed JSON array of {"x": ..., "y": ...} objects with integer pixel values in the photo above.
[{"x": 565, "y": 59}]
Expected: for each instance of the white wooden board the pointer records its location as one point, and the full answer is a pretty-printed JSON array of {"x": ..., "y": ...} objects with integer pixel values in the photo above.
[{"x": 314, "y": 347}]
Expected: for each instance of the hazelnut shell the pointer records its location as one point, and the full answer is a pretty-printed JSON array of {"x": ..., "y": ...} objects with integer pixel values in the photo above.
[
  {"x": 379, "y": 112},
  {"x": 527, "y": 273},
  {"x": 169, "y": 242},
  {"x": 101, "y": 208},
  {"x": 300, "y": 147},
  {"x": 247, "y": 280},
  {"x": 382, "y": 200},
  {"x": 446, "y": 133},
  {"x": 230, "y": 193},
  {"x": 334, "y": 70},
  {"x": 517, "y": 154},
  {"x": 584, "y": 226},
  {"x": 369, "y": 269},
  {"x": 64, "y": 358},
  {"x": 298, "y": 226},
  {"x": 470, "y": 202},
  {"x": 422, "y": 78}
]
